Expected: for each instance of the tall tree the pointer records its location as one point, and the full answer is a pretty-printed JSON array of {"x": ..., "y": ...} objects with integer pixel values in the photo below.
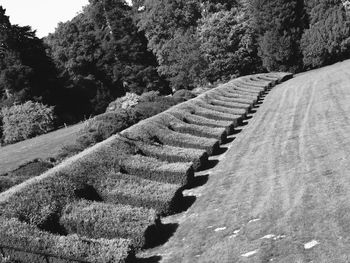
[
  {"x": 169, "y": 25},
  {"x": 279, "y": 25},
  {"x": 24, "y": 63},
  {"x": 328, "y": 38}
]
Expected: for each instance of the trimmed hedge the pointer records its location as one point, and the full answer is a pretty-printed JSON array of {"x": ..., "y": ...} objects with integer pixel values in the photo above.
[
  {"x": 22, "y": 173},
  {"x": 212, "y": 114},
  {"x": 249, "y": 87},
  {"x": 28, "y": 238},
  {"x": 246, "y": 100},
  {"x": 234, "y": 89},
  {"x": 231, "y": 105},
  {"x": 99, "y": 220},
  {"x": 40, "y": 203},
  {"x": 154, "y": 132},
  {"x": 118, "y": 188},
  {"x": 232, "y": 94},
  {"x": 178, "y": 125},
  {"x": 189, "y": 117},
  {"x": 237, "y": 112},
  {"x": 171, "y": 154},
  {"x": 119, "y": 156},
  {"x": 253, "y": 85}
]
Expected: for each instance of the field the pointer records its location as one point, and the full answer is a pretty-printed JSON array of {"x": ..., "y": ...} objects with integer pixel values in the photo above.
[
  {"x": 108, "y": 202},
  {"x": 281, "y": 191}
]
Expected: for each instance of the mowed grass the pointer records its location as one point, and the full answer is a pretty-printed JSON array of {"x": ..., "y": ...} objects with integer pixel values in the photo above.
[{"x": 44, "y": 146}]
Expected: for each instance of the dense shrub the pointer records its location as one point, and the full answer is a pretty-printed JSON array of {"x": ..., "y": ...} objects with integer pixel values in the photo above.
[
  {"x": 128, "y": 101},
  {"x": 25, "y": 237},
  {"x": 119, "y": 188},
  {"x": 190, "y": 117},
  {"x": 100, "y": 220},
  {"x": 98, "y": 129},
  {"x": 24, "y": 172},
  {"x": 150, "y": 106},
  {"x": 183, "y": 95},
  {"x": 233, "y": 112},
  {"x": 27, "y": 120},
  {"x": 328, "y": 38}
]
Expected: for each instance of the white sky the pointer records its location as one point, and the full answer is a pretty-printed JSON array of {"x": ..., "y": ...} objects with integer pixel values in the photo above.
[{"x": 42, "y": 15}]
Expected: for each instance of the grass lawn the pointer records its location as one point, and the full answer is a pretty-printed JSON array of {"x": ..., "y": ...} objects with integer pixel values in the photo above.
[{"x": 44, "y": 146}]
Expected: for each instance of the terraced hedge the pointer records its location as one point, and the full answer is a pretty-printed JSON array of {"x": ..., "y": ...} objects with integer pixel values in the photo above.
[{"x": 104, "y": 203}]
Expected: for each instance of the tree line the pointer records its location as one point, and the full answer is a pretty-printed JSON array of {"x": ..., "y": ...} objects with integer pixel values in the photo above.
[{"x": 111, "y": 48}]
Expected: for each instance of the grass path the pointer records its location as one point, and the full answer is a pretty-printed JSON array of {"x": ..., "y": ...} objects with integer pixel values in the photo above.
[
  {"x": 281, "y": 192},
  {"x": 43, "y": 146}
]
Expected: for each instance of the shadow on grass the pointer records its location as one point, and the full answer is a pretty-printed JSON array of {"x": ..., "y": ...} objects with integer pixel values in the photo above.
[
  {"x": 153, "y": 259},
  {"x": 220, "y": 150},
  {"x": 228, "y": 140},
  {"x": 159, "y": 234},
  {"x": 184, "y": 204},
  {"x": 199, "y": 180},
  {"x": 245, "y": 123}
]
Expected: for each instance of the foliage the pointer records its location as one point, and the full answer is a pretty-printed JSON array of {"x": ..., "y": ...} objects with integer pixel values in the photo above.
[
  {"x": 328, "y": 38},
  {"x": 228, "y": 44},
  {"x": 170, "y": 28},
  {"x": 279, "y": 25},
  {"x": 26, "y": 120},
  {"x": 128, "y": 101},
  {"x": 19, "y": 235},
  {"x": 101, "y": 220}
]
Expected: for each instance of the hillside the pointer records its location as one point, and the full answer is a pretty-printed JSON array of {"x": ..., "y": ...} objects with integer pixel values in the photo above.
[{"x": 281, "y": 191}]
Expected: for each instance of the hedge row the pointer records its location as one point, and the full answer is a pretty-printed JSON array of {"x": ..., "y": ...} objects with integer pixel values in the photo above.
[
  {"x": 176, "y": 124},
  {"x": 118, "y": 188},
  {"x": 153, "y": 132},
  {"x": 192, "y": 118},
  {"x": 37, "y": 243},
  {"x": 100, "y": 220}
]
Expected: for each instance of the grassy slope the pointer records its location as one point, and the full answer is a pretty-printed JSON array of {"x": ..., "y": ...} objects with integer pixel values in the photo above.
[
  {"x": 44, "y": 146},
  {"x": 284, "y": 182}
]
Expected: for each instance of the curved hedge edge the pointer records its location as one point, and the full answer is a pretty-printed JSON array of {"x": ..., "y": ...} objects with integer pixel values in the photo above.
[
  {"x": 243, "y": 100},
  {"x": 249, "y": 87},
  {"x": 20, "y": 236},
  {"x": 135, "y": 191},
  {"x": 235, "y": 88},
  {"x": 232, "y": 105},
  {"x": 151, "y": 131},
  {"x": 188, "y": 117},
  {"x": 240, "y": 112},
  {"x": 171, "y": 154},
  {"x": 98, "y": 220},
  {"x": 147, "y": 168},
  {"x": 233, "y": 95},
  {"x": 259, "y": 81},
  {"x": 178, "y": 125}
]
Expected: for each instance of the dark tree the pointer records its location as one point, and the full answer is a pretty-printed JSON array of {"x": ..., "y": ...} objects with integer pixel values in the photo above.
[
  {"x": 279, "y": 25},
  {"x": 328, "y": 38}
]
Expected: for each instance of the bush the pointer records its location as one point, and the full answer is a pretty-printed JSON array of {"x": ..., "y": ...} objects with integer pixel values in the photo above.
[
  {"x": 118, "y": 188},
  {"x": 40, "y": 203},
  {"x": 183, "y": 95},
  {"x": 171, "y": 153},
  {"x": 190, "y": 117},
  {"x": 178, "y": 125},
  {"x": 99, "y": 129},
  {"x": 250, "y": 87},
  {"x": 238, "y": 89},
  {"x": 126, "y": 102},
  {"x": 154, "y": 132},
  {"x": 27, "y": 120},
  {"x": 100, "y": 220},
  {"x": 24, "y": 237},
  {"x": 240, "y": 99},
  {"x": 212, "y": 114},
  {"x": 233, "y": 112},
  {"x": 147, "y": 109},
  {"x": 24, "y": 172},
  {"x": 230, "y": 93}
]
